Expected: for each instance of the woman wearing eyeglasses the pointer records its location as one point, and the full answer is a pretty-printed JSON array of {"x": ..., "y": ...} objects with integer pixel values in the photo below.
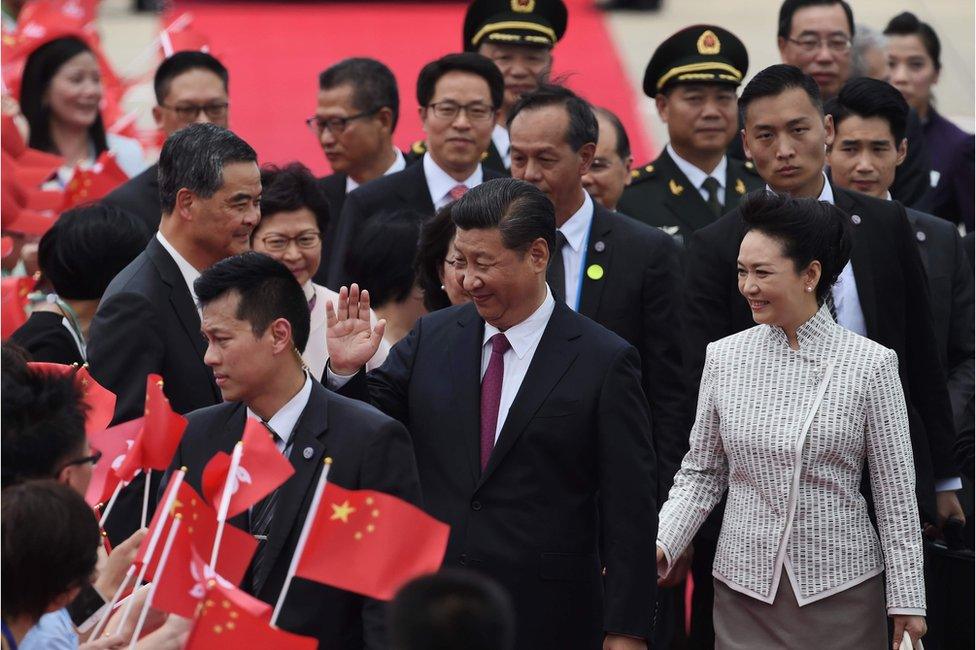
[
  {"x": 60, "y": 95},
  {"x": 294, "y": 214}
]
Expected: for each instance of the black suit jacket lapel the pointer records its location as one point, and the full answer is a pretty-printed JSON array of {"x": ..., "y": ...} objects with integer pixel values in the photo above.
[
  {"x": 599, "y": 251},
  {"x": 465, "y": 360},
  {"x": 683, "y": 199},
  {"x": 861, "y": 256},
  {"x": 413, "y": 189},
  {"x": 555, "y": 354},
  {"x": 307, "y": 453}
]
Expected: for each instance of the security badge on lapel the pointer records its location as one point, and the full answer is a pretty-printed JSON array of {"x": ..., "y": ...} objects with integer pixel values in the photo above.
[{"x": 595, "y": 271}]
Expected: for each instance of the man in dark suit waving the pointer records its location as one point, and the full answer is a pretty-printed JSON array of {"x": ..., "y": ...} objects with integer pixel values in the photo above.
[
  {"x": 147, "y": 321},
  {"x": 530, "y": 427},
  {"x": 255, "y": 319}
]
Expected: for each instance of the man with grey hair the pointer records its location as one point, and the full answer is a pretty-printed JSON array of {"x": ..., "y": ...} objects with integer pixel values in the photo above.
[
  {"x": 147, "y": 322},
  {"x": 868, "y": 58}
]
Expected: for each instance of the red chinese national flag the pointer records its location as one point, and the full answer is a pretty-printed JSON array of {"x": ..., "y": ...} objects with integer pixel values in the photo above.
[
  {"x": 92, "y": 183},
  {"x": 99, "y": 400},
  {"x": 370, "y": 543},
  {"x": 114, "y": 443},
  {"x": 161, "y": 432},
  {"x": 200, "y": 524},
  {"x": 262, "y": 469},
  {"x": 230, "y": 618},
  {"x": 14, "y": 309}
]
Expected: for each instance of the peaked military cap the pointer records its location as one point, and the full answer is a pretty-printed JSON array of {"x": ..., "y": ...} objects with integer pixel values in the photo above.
[
  {"x": 697, "y": 54},
  {"x": 514, "y": 22}
]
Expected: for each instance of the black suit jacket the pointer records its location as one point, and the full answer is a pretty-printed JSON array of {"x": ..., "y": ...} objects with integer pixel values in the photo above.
[
  {"x": 147, "y": 323},
  {"x": 140, "y": 196},
  {"x": 661, "y": 195},
  {"x": 950, "y": 279},
  {"x": 491, "y": 159},
  {"x": 404, "y": 190},
  {"x": 894, "y": 297},
  {"x": 636, "y": 299},
  {"x": 574, "y": 463},
  {"x": 370, "y": 452},
  {"x": 45, "y": 339},
  {"x": 333, "y": 187}
]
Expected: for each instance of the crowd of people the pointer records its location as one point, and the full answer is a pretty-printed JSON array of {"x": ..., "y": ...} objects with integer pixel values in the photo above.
[{"x": 724, "y": 398}]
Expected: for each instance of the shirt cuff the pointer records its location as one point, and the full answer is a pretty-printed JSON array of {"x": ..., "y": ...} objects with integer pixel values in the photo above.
[
  {"x": 905, "y": 611},
  {"x": 668, "y": 560},
  {"x": 336, "y": 381},
  {"x": 948, "y": 484}
]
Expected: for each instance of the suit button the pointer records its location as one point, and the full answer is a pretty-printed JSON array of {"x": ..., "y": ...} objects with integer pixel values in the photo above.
[
  {"x": 463, "y": 560},
  {"x": 476, "y": 505}
]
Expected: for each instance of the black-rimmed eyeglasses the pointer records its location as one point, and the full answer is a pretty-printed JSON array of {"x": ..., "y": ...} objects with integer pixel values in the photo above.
[{"x": 336, "y": 125}]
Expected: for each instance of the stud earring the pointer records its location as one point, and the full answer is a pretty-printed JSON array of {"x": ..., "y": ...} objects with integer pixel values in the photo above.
[{"x": 809, "y": 289}]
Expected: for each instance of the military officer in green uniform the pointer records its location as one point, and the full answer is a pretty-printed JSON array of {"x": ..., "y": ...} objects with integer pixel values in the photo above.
[
  {"x": 518, "y": 35},
  {"x": 693, "y": 77}
]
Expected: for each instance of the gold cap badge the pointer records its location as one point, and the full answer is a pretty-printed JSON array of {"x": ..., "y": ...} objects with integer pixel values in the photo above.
[
  {"x": 708, "y": 43},
  {"x": 523, "y": 6}
]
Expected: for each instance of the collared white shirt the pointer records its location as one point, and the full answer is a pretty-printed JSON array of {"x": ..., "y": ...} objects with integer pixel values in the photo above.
[
  {"x": 846, "y": 299},
  {"x": 524, "y": 339},
  {"x": 399, "y": 164},
  {"x": 283, "y": 422},
  {"x": 440, "y": 183},
  {"x": 502, "y": 142},
  {"x": 576, "y": 230},
  {"x": 697, "y": 177},
  {"x": 187, "y": 270}
]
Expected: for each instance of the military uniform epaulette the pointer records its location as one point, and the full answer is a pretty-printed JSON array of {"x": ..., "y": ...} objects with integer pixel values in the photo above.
[{"x": 642, "y": 174}]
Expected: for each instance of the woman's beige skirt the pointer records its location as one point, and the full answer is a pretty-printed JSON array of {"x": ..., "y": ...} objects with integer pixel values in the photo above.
[{"x": 854, "y": 618}]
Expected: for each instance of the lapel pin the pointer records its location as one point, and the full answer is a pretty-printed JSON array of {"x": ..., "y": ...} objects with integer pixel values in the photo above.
[
  {"x": 675, "y": 188},
  {"x": 740, "y": 187},
  {"x": 856, "y": 219},
  {"x": 599, "y": 247},
  {"x": 920, "y": 236},
  {"x": 594, "y": 272},
  {"x": 308, "y": 452}
]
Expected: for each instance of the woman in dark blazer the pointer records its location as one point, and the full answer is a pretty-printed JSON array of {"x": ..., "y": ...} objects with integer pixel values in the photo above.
[{"x": 78, "y": 257}]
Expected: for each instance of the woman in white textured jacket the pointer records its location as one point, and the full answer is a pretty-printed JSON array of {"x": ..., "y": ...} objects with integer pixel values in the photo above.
[{"x": 788, "y": 414}]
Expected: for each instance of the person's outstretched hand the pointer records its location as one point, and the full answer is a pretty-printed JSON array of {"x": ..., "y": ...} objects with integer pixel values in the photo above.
[{"x": 350, "y": 338}]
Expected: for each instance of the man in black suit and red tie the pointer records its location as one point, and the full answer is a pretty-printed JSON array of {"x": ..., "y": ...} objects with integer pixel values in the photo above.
[{"x": 530, "y": 427}]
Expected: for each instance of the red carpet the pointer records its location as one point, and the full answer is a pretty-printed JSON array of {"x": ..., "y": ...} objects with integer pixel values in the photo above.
[{"x": 274, "y": 52}]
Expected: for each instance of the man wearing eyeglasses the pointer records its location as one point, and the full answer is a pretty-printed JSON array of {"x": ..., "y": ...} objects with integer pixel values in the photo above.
[
  {"x": 357, "y": 110},
  {"x": 459, "y": 97},
  {"x": 190, "y": 87}
]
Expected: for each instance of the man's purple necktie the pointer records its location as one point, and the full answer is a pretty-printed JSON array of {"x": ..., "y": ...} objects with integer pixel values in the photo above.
[{"x": 491, "y": 394}]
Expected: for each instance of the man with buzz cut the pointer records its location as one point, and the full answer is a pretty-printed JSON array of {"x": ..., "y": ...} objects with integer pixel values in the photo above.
[{"x": 692, "y": 77}]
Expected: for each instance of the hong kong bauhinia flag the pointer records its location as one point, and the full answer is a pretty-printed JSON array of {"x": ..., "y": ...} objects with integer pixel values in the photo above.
[{"x": 370, "y": 543}]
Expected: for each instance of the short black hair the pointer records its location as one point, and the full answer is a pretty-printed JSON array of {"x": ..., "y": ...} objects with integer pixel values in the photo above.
[
  {"x": 43, "y": 416},
  {"x": 623, "y": 142},
  {"x": 194, "y": 158},
  {"x": 267, "y": 291},
  {"x": 907, "y": 24},
  {"x": 583, "y": 127},
  {"x": 40, "y": 68},
  {"x": 790, "y": 7},
  {"x": 808, "y": 229},
  {"x": 374, "y": 85},
  {"x": 87, "y": 246},
  {"x": 451, "y": 610},
  {"x": 519, "y": 210},
  {"x": 470, "y": 62},
  {"x": 866, "y": 97},
  {"x": 181, "y": 62},
  {"x": 775, "y": 80},
  {"x": 290, "y": 188},
  {"x": 435, "y": 236},
  {"x": 50, "y": 546},
  {"x": 382, "y": 253}
]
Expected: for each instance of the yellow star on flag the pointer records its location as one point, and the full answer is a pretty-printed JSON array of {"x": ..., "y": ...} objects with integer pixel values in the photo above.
[{"x": 342, "y": 512}]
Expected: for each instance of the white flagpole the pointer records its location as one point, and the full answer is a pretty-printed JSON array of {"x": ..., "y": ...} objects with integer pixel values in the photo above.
[
  {"x": 159, "y": 571},
  {"x": 111, "y": 503},
  {"x": 145, "y": 498},
  {"x": 111, "y": 605},
  {"x": 154, "y": 538},
  {"x": 300, "y": 547},
  {"x": 235, "y": 462}
]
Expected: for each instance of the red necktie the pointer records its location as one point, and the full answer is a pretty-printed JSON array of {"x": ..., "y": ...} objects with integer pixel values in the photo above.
[
  {"x": 491, "y": 394},
  {"x": 457, "y": 192}
]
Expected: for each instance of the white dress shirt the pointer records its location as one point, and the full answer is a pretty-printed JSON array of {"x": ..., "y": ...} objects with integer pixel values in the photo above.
[
  {"x": 697, "y": 177},
  {"x": 502, "y": 142},
  {"x": 524, "y": 339},
  {"x": 399, "y": 164},
  {"x": 577, "y": 232},
  {"x": 440, "y": 183},
  {"x": 187, "y": 270},
  {"x": 283, "y": 422}
]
